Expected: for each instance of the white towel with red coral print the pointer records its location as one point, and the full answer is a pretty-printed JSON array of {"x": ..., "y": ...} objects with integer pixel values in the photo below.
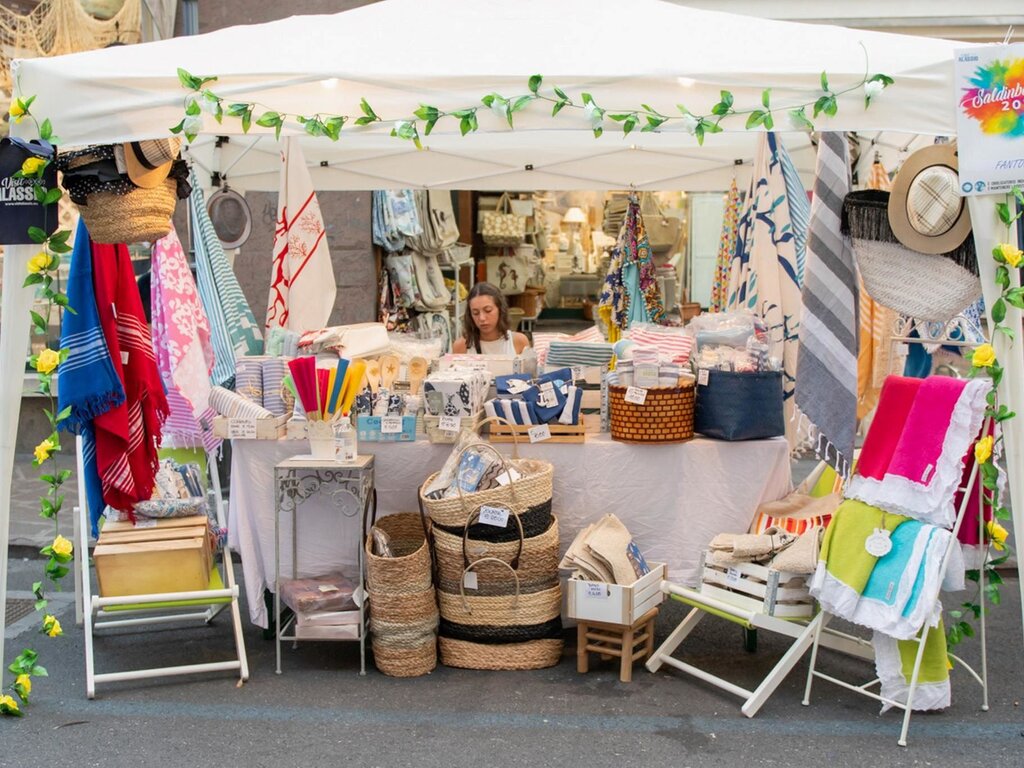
[{"x": 302, "y": 287}]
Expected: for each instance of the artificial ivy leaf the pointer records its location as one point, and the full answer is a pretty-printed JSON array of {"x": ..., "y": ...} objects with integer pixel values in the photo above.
[
  {"x": 619, "y": 117},
  {"x": 999, "y": 311},
  {"x": 1008, "y": 332},
  {"x": 800, "y": 119},
  {"x": 1002, "y": 276},
  {"x": 187, "y": 80},
  {"x": 178, "y": 128},
  {"x": 534, "y": 83},
  {"x": 193, "y": 108},
  {"x": 34, "y": 279},
  {"x": 1004, "y": 213},
  {"x": 769, "y": 121},
  {"x": 1014, "y": 298},
  {"x": 629, "y": 124},
  {"x": 52, "y": 196},
  {"x": 992, "y": 593},
  {"x": 966, "y": 629},
  {"x": 993, "y": 576},
  {"x": 38, "y": 321},
  {"x": 465, "y": 126},
  {"x": 587, "y": 98},
  {"x": 520, "y": 103},
  {"x": 885, "y": 80},
  {"x": 463, "y": 113},
  {"x": 427, "y": 112},
  {"x": 37, "y": 235},
  {"x": 246, "y": 121},
  {"x": 332, "y": 127},
  {"x": 561, "y": 94},
  {"x": 653, "y": 123},
  {"x": 270, "y": 119},
  {"x": 756, "y": 118},
  {"x": 367, "y": 109},
  {"x": 649, "y": 108},
  {"x": 46, "y": 130},
  {"x": 698, "y": 131},
  {"x": 598, "y": 131},
  {"x": 683, "y": 109},
  {"x": 722, "y": 107},
  {"x": 40, "y": 192},
  {"x": 766, "y": 96},
  {"x": 824, "y": 82},
  {"x": 558, "y": 106},
  {"x": 489, "y": 99},
  {"x": 429, "y": 126},
  {"x": 238, "y": 109}
]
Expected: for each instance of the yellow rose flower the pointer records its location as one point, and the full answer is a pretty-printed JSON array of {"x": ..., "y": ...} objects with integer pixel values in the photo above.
[
  {"x": 43, "y": 450},
  {"x": 33, "y": 166},
  {"x": 16, "y": 110},
  {"x": 39, "y": 262},
  {"x": 61, "y": 546},
  {"x": 47, "y": 361},
  {"x": 25, "y": 682},
  {"x": 7, "y": 703},
  {"x": 1011, "y": 253},
  {"x": 983, "y": 356},
  {"x": 51, "y": 626},
  {"x": 997, "y": 534},
  {"x": 983, "y": 449}
]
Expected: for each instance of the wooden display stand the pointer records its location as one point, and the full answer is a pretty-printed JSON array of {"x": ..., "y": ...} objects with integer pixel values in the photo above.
[{"x": 627, "y": 643}]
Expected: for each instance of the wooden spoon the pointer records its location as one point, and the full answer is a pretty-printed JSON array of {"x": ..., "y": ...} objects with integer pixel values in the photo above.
[
  {"x": 388, "y": 371},
  {"x": 373, "y": 375},
  {"x": 417, "y": 373}
]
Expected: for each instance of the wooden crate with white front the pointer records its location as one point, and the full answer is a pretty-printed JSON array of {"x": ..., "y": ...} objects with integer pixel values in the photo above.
[{"x": 757, "y": 588}]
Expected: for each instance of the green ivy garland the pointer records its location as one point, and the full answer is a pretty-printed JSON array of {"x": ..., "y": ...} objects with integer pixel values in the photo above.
[
  {"x": 42, "y": 271},
  {"x": 647, "y": 119}
]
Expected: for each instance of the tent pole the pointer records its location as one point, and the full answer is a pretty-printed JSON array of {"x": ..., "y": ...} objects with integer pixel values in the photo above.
[
  {"x": 14, "y": 338},
  {"x": 988, "y": 231}
]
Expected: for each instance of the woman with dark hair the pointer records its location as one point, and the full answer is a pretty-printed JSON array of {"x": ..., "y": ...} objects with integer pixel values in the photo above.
[{"x": 485, "y": 326}]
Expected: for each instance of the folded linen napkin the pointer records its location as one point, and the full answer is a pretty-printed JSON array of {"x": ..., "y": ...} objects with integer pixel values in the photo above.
[
  {"x": 750, "y": 547},
  {"x": 920, "y": 477},
  {"x": 802, "y": 555}
]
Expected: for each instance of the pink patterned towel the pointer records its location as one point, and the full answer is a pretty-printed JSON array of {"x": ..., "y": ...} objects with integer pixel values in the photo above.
[{"x": 924, "y": 472}]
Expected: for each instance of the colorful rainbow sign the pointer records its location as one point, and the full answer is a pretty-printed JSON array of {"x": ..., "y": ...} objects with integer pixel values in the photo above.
[{"x": 990, "y": 118}]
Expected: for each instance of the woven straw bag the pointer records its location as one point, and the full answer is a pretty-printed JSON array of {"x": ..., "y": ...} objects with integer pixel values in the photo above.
[
  {"x": 666, "y": 415},
  {"x": 502, "y": 226},
  {"x": 533, "y": 489},
  {"x": 408, "y": 571}
]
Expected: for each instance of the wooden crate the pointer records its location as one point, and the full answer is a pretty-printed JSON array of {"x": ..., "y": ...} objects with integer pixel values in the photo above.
[
  {"x": 560, "y": 433},
  {"x": 622, "y": 604},
  {"x": 758, "y": 588},
  {"x": 250, "y": 429},
  {"x": 153, "y": 567},
  {"x": 432, "y": 428}
]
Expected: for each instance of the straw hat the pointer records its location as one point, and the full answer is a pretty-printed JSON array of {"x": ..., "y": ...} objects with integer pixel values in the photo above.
[
  {"x": 926, "y": 286},
  {"x": 148, "y": 163},
  {"x": 230, "y": 216},
  {"x": 926, "y": 212}
]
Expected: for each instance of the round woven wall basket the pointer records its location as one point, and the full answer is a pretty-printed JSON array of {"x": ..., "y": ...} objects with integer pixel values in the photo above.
[
  {"x": 142, "y": 215},
  {"x": 666, "y": 415}
]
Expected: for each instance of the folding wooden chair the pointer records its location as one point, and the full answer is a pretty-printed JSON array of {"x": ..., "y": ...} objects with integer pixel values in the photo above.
[
  {"x": 103, "y": 613},
  {"x": 754, "y": 597}
]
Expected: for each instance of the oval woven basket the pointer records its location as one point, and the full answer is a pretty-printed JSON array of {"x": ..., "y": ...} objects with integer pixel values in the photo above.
[
  {"x": 536, "y": 654},
  {"x": 535, "y": 521},
  {"x": 537, "y": 566},
  {"x": 503, "y": 610},
  {"x": 531, "y": 490},
  {"x": 665, "y": 417},
  {"x": 409, "y": 571},
  {"x": 403, "y": 635},
  {"x": 406, "y": 662},
  {"x": 142, "y": 215},
  {"x": 519, "y": 633}
]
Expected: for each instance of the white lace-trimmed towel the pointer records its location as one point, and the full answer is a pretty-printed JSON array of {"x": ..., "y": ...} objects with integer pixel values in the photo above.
[
  {"x": 826, "y": 373},
  {"x": 302, "y": 284},
  {"x": 913, "y": 457}
]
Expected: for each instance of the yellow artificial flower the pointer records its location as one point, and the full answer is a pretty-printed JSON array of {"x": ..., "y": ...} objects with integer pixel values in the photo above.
[
  {"x": 33, "y": 166},
  {"x": 7, "y": 703},
  {"x": 39, "y": 262},
  {"x": 984, "y": 356},
  {"x": 43, "y": 450},
  {"x": 47, "y": 361},
  {"x": 997, "y": 534},
  {"x": 983, "y": 449},
  {"x": 61, "y": 546},
  {"x": 25, "y": 682},
  {"x": 16, "y": 110},
  {"x": 1011, "y": 253},
  {"x": 51, "y": 626}
]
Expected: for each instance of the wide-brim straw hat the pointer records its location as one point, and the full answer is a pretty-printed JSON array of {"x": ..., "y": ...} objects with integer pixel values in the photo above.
[
  {"x": 926, "y": 210},
  {"x": 926, "y": 286},
  {"x": 148, "y": 163}
]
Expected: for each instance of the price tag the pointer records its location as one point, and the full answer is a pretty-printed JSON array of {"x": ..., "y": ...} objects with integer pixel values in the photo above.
[
  {"x": 145, "y": 523},
  {"x": 702, "y": 377},
  {"x": 496, "y": 516},
  {"x": 596, "y": 589},
  {"x": 547, "y": 397},
  {"x": 539, "y": 433},
  {"x": 242, "y": 429},
  {"x": 450, "y": 423},
  {"x": 636, "y": 395},
  {"x": 124, "y": 357},
  {"x": 390, "y": 425},
  {"x": 469, "y": 580},
  {"x": 732, "y": 576}
]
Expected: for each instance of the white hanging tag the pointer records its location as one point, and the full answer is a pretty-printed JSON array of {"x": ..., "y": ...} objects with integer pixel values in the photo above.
[
  {"x": 878, "y": 543},
  {"x": 469, "y": 580},
  {"x": 496, "y": 516},
  {"x": 702, "y": 377}
]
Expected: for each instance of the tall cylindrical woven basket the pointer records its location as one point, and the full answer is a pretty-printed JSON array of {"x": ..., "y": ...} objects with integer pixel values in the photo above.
[
  {"x": 665, "y": 416},
  {"x": 403, "y": 604}
]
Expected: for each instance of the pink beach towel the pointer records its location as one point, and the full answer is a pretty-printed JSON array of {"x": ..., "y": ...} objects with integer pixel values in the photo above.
[
  {"x": 926, "y": 464},
  {"x": 898, "y": 393}
]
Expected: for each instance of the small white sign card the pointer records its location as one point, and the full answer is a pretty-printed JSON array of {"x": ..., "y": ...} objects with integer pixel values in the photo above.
[
  {"x": 242, "y": 429},
  {"x": 539, "y": 433},
  {"x": 450, "y": 423},
  {"x": 636, "y": 395},
  {"x": 496, "y": 516},
  {"x": 390, "y": 425}
]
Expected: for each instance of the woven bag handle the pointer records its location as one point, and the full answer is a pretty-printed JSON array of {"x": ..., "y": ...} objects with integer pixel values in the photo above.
[
  {"x": 471, "y": 566},
  {"x": 499, "y": 420},
  {"x": 504, "y": 465},
  {"x": 504, "y": 203},
  {"x": 465, "y": 539}
]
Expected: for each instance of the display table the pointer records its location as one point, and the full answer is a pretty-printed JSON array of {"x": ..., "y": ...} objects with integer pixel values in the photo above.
[{"x": 673, "y": 498}]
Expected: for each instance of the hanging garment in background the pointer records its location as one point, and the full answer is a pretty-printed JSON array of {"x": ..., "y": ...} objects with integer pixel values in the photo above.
[
  {"x": 763, "y": 275},
  {"x": 302, "y": 284},
  {"x": 826, "y": 379},
  {"x": 876, "y": 328},
  {"x": 127, "y": 436},
  {"x": 184, "y": 354},
  {"x": 726, "y": 247},
  {"x": 233, "y": 329},
  {"x": 630, "y": 292}
]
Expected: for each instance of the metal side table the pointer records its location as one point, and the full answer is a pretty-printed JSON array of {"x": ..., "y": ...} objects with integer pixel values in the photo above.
[{"x": 350, "y": 488}]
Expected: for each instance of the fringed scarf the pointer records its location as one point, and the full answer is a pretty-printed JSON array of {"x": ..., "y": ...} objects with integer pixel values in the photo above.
[{"x": 127, "y": 436}]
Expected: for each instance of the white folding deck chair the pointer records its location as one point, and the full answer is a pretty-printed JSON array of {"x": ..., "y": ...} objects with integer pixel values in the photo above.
[
  {"x": 103, "y": 613},
  {"x": 753, "y": 605}
]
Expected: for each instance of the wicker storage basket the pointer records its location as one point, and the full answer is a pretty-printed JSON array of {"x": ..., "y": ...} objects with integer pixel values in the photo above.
[
  {"x": 409, "y": 570},
  {"x": 536, "y": 654},
  {"x": 413, "y": 661},
  {"x": 666, "y": 415},
  {"x": 142, "y": 215}
]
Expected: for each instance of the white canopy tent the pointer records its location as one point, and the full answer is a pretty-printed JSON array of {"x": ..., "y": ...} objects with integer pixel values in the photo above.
[{"x": 399, "y": 54}]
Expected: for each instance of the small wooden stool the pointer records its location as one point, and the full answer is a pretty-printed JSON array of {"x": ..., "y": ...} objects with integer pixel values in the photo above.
[{"x": 616, "y": 640}]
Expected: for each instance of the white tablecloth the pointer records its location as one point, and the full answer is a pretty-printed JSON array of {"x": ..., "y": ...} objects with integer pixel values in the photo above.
[{"x": 673, "y": 498}]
